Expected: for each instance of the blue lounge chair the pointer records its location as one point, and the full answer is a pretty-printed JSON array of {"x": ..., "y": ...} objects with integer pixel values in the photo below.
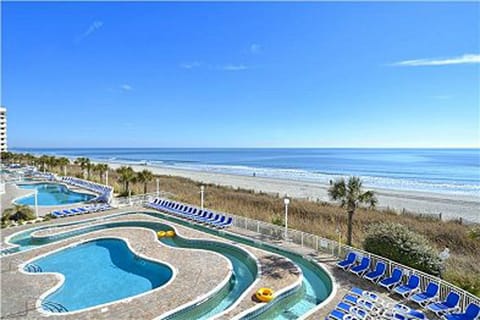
[
  {"x": 348, "y": 262},
  {"x": 427, "y": 296},
  {"x": 75, "y": 210},
  {"x": 215, "y": 219},
  {"x": 342, "y": 306},
  {"x": 68, "y": 212},
  {"x": 471, "y": 313},
  {"x": 353, "y": 310},
  {"x": 408, "y": 289},
  {"x": 57, "y": 214},
  {"x": 364, "y": 304},
  {"x": 376, "y": 274},
  {"x": 360, "y": 269},
  {"x": 225, "y": 224},
  {"x": 348, "y": 298},
  {"x": 339, "y": 315},
  {"x": 200, "y": 213},
  {"x": 449, "y": 305},
  {"x": 363, "y": 294},
  {"x": 205, "y": 216},
  {"x": 401, "y": 311},
  {"x": 390, "y": 282}
]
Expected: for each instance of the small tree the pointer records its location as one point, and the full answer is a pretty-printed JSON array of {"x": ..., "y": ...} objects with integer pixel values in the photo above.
[
  {"x": 145, "y": 176},
  {"x": 396, "y": 242},
  {"x": 63, "y": 162},
  {"x": 351, "y": 196},
  {"x": 126, "y": 176},
  {"x": 84, "y": 163},
  {"x": 18, "y": 213},
  {"x": 101, "y": 168}
]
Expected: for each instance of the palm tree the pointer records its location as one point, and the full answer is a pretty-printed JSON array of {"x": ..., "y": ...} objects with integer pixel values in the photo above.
[
  {"x": 351, "y": 196},
  {"x": 63, "y": 162},
  {"x": 6, "y": 156},
  {"x": 52, "y": 163},
  {"x": 126, "y": 175},
  {"x": 101, "y": 169},
  {"x": 145, "y": 176},
  {"x": 43, "y": 161},
  {"x": 82, "y": 162}
]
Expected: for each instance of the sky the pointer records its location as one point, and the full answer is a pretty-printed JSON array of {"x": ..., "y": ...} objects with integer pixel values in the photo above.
[{"x": 310, "y": 74}]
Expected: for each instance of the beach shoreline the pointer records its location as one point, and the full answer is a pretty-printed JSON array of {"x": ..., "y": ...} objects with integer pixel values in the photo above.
[{"x": 450, "y": 206}]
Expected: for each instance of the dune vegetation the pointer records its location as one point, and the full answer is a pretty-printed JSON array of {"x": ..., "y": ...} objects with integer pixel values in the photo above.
[{"x": 320, "y": 218}]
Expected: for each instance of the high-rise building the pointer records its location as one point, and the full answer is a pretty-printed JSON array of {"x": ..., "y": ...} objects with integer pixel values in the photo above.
[{"x": 3, "y": 129}]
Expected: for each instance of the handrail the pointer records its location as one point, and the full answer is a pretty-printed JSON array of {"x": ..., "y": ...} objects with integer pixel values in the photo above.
[{"x": 334, "y": 248}]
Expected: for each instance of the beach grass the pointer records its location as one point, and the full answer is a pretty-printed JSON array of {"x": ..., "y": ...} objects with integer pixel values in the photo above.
[{"x": 323, "y": 219}]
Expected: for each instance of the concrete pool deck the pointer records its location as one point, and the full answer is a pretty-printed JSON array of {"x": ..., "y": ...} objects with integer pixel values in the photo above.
[
  {"x": 205, "y": 276},
  {"x": 13, "y": 192},
  {"x": 271, "y": 269}
]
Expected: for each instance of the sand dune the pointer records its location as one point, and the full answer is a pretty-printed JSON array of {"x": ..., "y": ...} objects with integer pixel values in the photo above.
[{"x": 451, "y": 206}]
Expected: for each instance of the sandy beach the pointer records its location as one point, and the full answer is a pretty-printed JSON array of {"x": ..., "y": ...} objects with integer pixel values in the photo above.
[{"x": 450, "y": 206}]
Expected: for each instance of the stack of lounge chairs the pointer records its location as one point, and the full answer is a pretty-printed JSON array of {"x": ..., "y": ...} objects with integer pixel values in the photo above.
[
  {"x": 191, "y": 213},
  {"x": 81, "y": 210},
  {"x": 361, "y": 304},
  {"x": 410, "y": 290},
  {"x": 105, "y": 192}
]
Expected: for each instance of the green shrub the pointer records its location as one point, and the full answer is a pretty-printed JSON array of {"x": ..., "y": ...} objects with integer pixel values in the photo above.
[
  {"x": 277, "y": 220},
  {"x": 18, "y": 213},
  {"x": 398, "y": 243}
]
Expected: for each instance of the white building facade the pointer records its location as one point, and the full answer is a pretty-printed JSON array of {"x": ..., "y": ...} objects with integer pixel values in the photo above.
[{"x": 3, "y": 129}]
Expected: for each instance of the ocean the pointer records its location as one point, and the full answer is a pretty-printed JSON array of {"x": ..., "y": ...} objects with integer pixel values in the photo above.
[{"x": 451, "y": 171}]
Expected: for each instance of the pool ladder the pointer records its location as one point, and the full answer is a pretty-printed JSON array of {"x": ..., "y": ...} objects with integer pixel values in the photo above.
[
  {"x": 32, "y": 267},
  {"x": 54, "y": 307}
]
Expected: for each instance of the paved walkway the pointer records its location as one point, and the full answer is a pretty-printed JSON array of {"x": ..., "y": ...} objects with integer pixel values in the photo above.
[{"x": 20, "y": 302}]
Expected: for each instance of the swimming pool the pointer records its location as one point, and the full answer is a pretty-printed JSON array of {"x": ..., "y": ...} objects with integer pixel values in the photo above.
[
  {"x": 98, "y": 272},
  {"x": 316, "y": 286},
  {"x": 52, "y": 194}
]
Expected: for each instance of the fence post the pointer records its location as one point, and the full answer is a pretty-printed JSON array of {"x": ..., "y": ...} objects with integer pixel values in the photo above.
[
  {"x": 302, "y": 240},
  {"x": 258, "y": 226}
]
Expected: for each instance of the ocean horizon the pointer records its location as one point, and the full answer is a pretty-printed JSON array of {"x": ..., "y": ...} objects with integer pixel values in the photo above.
[{"x": 448, "y": 171}]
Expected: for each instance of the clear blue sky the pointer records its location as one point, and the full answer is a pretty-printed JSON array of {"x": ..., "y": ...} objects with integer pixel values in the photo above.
[{"x": 241, "y": 74}]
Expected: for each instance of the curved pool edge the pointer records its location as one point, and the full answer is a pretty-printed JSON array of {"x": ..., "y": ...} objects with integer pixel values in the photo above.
[
  {"x": 218, "y": 233},
  {"x": 219, "y": 286},
  {"x": 53, "y": 206},
  {"x": 61, "y": 277},
  {"x": 310, "y": 260},
  {"x": 279, "y": 297}
]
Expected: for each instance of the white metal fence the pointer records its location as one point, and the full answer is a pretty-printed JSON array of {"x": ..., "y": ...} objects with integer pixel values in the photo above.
[
  {"x": 311, "y": 241},
  {"x": 336, "y": 249}
]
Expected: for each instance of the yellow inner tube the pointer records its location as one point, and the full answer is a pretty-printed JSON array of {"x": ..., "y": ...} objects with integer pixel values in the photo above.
[
  {"x": 170, "y": 233},
  {"x": 264, "y": 294},
  {"x": 161, "y": 234}
]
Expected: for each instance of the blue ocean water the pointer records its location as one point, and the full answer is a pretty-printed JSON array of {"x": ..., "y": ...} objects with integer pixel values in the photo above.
[{"x": 455, "y": 171}]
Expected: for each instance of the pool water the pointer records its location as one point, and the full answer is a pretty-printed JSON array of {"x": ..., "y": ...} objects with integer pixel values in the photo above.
[
  {"x": 98, "y": 272},
  {"x": 52, "y": 194},
  {"x": 316, "y": 284}
]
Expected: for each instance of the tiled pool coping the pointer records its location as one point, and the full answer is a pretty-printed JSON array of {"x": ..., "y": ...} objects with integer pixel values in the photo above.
[{"x": 137, "y": 240}]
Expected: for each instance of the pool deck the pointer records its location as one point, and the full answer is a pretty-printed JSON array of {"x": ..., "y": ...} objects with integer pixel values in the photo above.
[
  {"x": 206, "y": 275},
  {"x": 12, "y": 192},
  {"x": 276, "y": 272}
]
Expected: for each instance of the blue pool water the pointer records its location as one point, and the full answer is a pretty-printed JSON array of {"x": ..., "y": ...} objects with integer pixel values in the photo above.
[
  {"x": 99, "y": 272},
  {"x": 316, "y": 285},
  {"x": 52, "y": 194}
]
